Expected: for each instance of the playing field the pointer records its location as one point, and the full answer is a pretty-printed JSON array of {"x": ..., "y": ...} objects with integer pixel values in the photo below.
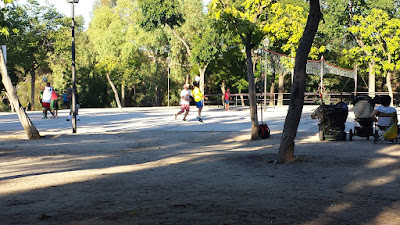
[{"x": 141, "y": 166}]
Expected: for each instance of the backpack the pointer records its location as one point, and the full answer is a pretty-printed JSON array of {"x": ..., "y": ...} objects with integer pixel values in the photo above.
[{"x": 263, "y": 131}]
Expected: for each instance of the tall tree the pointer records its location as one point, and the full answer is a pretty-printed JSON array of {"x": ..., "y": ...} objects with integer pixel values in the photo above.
[
  {"x": 106, "y": 31},
  {"x": 244, "y": 18},
  {"x": 188, "y": 24},
  {"x": 285, "y": 28},
  {"x": 35, "y": 41},
  {"x": 286, "y": 148},
  {"x": 28, "y": 126},
  {"x": 377, "y": 34}
]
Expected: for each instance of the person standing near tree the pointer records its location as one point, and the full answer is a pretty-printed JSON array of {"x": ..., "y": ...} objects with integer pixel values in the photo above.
[
  {"x": 227, "y": 98},
  {"x": 185, "y": 101}
]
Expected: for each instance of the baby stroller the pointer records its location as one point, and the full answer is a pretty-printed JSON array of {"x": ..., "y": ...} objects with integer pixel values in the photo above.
[
  {"x": 332, "y": 119},
  {"x": 363, "y": 107}
]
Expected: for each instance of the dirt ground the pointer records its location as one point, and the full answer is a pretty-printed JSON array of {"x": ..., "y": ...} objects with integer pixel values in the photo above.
[{"x": 188, "y": 177}]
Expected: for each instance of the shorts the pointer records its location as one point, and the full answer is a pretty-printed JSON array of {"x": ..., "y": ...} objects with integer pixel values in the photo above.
[
  {"x": 226, "y": 101},
  {"x": 185, "y": 107},
  {"x": 46, "y": 104},
  {"x": 54, "y": 104},
  {"x": 199, "y": 104}
]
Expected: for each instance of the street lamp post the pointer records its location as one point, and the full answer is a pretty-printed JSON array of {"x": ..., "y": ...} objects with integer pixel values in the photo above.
[
  {"x": 168, "y": 61},
  {"x": 73, "y": 67},
  {"x": 266, "y": 44}
]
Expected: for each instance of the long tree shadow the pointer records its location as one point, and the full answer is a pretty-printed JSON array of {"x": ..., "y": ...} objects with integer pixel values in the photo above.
[{"x": 198, "y": 177}]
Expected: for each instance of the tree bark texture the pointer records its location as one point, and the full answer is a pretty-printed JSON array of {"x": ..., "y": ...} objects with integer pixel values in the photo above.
[
  {"x": 252, "y": 90},
  {"x": 123, "y": 95},
  {"x": 272, "y": 90},
  {"x": 242, "y": 99},
  {"x": 223, "y": 88},
  {"x": 115, "y": 92},
  {"x": 371, "y": 78},
  {"x": 33, "y": 90},
  {"x": 202, "y": 71},
  {"x": 389, "y": 85},
  {"x": 286, "y": 149},
  {"x": 281, "y": 83},
  {"x": 26, "y": 123},
  {"x": 389, "y": 79}
]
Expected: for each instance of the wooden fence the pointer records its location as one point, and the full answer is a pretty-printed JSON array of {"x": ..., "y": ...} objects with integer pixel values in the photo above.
[{"x": 273, "y": 99}]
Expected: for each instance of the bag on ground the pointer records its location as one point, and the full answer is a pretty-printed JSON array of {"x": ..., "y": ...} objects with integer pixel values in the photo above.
[{"x": 263, "y": 131}]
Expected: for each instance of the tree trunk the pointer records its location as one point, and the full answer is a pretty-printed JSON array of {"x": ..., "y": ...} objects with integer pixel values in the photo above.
[
  {"x": 33, "y": 90},
  {"x": 223, "y": 88},
  {"x": 371, "y": 78},
  {"x": 281, "y": 84},
  {"x": 26, "y": 123},
  {"x": 242, "y": 99},
  {"x": 286, "y": 148},
  {"x": 202, "y": 71},
  {"x": 389, "y": 85},
  {"x": 123, "y": 95},
  {"x": 115, "y": 92},
  {"x": 272, "y": 90},
  {"x": 252, "y": 90}
]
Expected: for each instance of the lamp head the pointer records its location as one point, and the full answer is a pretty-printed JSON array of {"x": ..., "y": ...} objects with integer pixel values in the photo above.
[
  {"x": 266, "y": 42},
  {"x": 72, "y": 1}
]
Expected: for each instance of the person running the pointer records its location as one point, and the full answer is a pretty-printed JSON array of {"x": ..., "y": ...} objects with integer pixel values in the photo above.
[
  {"x": 199, "y": 100},
  {"x": 185, "y": 101},
  {"x": 46, "y": 100},
  {"x": 227, "y": 98}
]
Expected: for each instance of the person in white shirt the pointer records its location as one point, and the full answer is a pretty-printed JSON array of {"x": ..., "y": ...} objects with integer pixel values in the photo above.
[
  {"x": 185, "y": 101},
  {"x": 382, "y": 113},
  {"x": 46, "y": 100}
]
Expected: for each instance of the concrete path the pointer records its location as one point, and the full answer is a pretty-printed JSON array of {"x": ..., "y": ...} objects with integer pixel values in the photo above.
[{"x": 159, "y": 119}]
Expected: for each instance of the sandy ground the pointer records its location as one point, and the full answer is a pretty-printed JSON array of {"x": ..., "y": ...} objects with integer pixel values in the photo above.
[{"x": 141, "y": 166}]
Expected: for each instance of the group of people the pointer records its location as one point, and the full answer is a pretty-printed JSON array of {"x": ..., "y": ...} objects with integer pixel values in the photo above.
[
  {"x": 194, "y": 92},
  {"x": 186, "y": 94},
  {"x": 49, "y": 99}
]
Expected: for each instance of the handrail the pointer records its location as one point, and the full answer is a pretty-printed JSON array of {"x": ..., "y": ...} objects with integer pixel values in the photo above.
[{"x": 310, "y": 98}]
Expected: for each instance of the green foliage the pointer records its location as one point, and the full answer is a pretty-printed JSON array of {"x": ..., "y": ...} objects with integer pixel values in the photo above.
[
  {"x": 132, "y": 40},
  {"x": 159, "y": 13},
  {"x": 244, "y": 18}
]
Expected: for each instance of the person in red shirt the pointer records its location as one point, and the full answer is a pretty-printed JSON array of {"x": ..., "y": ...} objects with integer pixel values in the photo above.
[{"x": 227, "y": 98}]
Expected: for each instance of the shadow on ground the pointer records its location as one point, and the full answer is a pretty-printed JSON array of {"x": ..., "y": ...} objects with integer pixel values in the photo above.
[{"x": 196, "y": 177}]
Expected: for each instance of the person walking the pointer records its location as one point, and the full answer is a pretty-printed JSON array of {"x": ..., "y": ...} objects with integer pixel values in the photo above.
[
  {"x": 54, "y": 104},
  {"x": 227, "y": 97},
  {"x": 185, "y": 102},
  {"x": 199, "y": 100},
  {"x": 46, "y": 100}
]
